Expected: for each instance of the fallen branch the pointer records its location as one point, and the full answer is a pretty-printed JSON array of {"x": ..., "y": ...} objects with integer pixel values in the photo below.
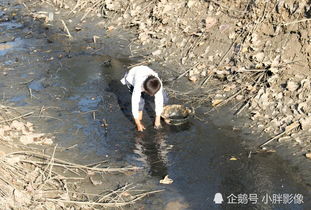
[
  {"x": 206, "y": 79},
  {"x": 230, "y": 98},
  {"x": 48, "y": 185},
  {"x": 110, "y": 204},
  {"x": 297, "y": 21},
  {"x": 18, "y": 117},
  {"x": 66, "y": 164},
  {"x": 249, "y": 99},
  {"x": 76, "y": 166},
  {"x": 292, "y": 127}
]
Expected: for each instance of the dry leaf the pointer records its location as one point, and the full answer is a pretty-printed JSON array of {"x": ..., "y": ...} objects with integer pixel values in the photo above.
[
  {"x": 210, "y": 22},
  {"x": 292, "y": 126},
  {"x": 233, "y": 158},
  {"x": 17, "y": 125},
  {"x": 216, "y": 102},
  {"x": 166, "y": 180}
]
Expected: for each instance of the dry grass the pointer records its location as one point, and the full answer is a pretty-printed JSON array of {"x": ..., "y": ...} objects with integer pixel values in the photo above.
[
  {"x": 33, "y": 180},
  {"x": 29, "y": 179}
]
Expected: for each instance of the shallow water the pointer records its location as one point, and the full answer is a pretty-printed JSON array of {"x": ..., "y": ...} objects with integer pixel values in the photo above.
[
  {"x": 195, "y": 155},
  {"x": 80, "y": 92}
]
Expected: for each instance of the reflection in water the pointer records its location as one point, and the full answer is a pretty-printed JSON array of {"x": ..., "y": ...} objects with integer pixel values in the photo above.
[
  {"x": 201, "y": 157},
  {"x": 152, "y": 150},
  {"x": 150, "y": 145}
]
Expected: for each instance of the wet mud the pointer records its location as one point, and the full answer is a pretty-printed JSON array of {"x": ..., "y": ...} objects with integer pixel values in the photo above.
[{"x": 83, "y": 104}]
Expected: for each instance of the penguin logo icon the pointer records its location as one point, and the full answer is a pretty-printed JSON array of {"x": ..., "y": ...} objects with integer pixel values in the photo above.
[{"x": 218, "y": 198}]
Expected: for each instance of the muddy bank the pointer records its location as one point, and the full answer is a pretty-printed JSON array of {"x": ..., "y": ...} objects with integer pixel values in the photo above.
[
  {"x": 37, "y": 170},
  {"x": 254, "y": 55},
  {"x": 260, "y": 53},
  {"x": 70, "y": 78}
]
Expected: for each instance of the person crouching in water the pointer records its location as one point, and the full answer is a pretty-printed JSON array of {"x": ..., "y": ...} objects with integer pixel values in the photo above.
[{"x": 140, "y": 80}]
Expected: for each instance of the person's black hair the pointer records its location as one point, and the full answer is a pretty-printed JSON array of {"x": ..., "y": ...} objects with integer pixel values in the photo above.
[{"x": 152, "y": 85}]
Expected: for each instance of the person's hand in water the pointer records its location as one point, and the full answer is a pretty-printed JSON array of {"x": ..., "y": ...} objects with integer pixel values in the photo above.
[
  {"x": 157, "y": 123},
  {"x": 140, "y": 127},
  {"x": 157, "y": 127}
]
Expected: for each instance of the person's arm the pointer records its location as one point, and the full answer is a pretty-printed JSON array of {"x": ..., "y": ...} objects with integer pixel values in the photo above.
[
  {"x": 135, "y": 108},
  {"x": 139, "y": 125},
  {"x": 158, "y": 100}
]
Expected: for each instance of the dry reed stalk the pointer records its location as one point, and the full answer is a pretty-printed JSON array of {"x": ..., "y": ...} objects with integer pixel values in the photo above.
[
  {"x": 47, "y": 185},
  {"x": 66, "y": 29}
]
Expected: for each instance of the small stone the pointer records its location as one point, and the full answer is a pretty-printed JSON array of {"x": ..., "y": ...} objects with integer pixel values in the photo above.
[
  {"x": 259, "y": 56},
  {"x": 308, "y": 155},
  {"x": 17, "y": 125},
  {"x": 47, "y": 141},
  {"x": 95, "y": 180},
  {"x": 191, "y": 3},
  {"x": 193, "y": 78},
  {"x": 22, "y": 197},
  {"x": 13, "y": 160},
  {"x": 203, "y": 73},
  {"x": 292, "y": 86},
  {"x": 166, "y": 180},
  {"x": 157, "y": 52},
  {"x": 285, "y": 138},
  {"x": 28, "y": 139},
  {"x": 298, "y": 140},
  {"x": 232, "y": 35},
  {"x": 239, "y": 97},
  {"x": 210, "y": 22},
  {"x": 305, "y": 123},
  {"x": 305, "y": 84}
]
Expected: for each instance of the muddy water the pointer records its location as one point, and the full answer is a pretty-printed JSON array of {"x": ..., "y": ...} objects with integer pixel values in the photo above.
[
  {"x": 196, "y": 155},
  {"x": 84, "y": 91},
  {"x": 80, "y": 92}
]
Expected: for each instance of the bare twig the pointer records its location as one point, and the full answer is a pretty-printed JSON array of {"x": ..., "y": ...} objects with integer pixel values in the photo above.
[
  {"x": 16, "y": 118},
  {"x": 113, "y": 204},
  {"x": 297, "y": 21},
  {"x": 81, "y": 167},
  {"x": 294, "y": 126},
  {"x": 248, "y": 101},
  {"x": 66, "y": 29}
]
